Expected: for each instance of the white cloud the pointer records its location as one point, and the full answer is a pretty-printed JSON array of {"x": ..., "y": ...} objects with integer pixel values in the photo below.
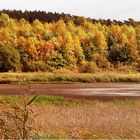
[{"x": 114, "y": 9}]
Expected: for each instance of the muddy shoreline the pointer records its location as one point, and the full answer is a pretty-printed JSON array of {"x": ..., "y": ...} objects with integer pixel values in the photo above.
[{"x": 101, "y": 91}]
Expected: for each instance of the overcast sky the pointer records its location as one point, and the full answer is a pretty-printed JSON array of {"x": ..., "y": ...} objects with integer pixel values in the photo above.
[{"x": 114, "y": 9}]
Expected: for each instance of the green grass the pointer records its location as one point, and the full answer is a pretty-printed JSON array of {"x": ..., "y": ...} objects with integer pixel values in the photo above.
[
  {"x": 86, "y": 135},
  {"x": 61, "y": 101},
  {"x": 69, "y": 77},
  {"x": 50, "y": 136},
  {"x": 125, "y": 102},
  {"x": 54, "y": 100},
  {"x": 48, "y": 100}
]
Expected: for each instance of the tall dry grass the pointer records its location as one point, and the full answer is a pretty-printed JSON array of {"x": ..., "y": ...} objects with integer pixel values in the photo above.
[
  {"x": 91, "y": 119},
  {"x": 70, "y": 77},
  {"x": 100, "y": 120}
]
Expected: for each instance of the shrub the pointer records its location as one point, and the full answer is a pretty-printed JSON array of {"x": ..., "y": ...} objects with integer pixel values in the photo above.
[
  {"x": 24, "y": 57},
  {"x": 9, "y": 58},
  {"x": 101, "y": 61},
  {"x": 119, "y": 53},
  {"x": 90, "y": 67},
  {"x": 17, "y": 118},
  {"x": 37, "y": 66},
  {"x": 57, "y": 61},
  {"x": 89, "y": 50}
]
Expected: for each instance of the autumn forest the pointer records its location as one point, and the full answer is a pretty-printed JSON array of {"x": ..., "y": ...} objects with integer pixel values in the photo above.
[{"x": 40, "y": 41}]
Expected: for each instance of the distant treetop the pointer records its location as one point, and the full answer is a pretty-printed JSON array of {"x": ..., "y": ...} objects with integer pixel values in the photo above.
[{"x": 54, "y": 17}]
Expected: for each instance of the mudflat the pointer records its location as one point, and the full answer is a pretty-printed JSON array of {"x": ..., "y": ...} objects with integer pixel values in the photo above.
[{"x": 103, "y": 91}]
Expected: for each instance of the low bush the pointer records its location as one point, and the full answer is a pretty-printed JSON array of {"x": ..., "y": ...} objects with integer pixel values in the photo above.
[
  {"x": 119, "y": 53},
  {"x": 9, "y": 58},
  {"x": 35, "y": 66},
  {"x": 90, "y": 67},
  {"x": 101, "y": 61}
]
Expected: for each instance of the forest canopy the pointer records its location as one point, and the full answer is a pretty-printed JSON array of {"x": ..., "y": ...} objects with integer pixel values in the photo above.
[{"x": 40, "y": 41}]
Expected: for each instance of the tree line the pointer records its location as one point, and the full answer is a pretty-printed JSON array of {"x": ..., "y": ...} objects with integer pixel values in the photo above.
[
  {"x": 54, "y": 17},
  {"x": 40, "y": 41}
]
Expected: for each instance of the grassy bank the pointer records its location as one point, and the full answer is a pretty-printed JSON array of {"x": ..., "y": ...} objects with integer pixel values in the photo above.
[{"x": 70, "y": 77}]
